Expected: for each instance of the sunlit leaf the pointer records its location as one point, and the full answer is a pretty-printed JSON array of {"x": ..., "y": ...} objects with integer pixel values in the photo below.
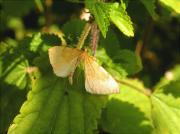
[
  {"x": 172, "y": 4},
  {"x": 100, "y": 14},
  {"x": 128, "y": 111},
  {"x": 166, "y": 113},
  {"x": 170, "y": 75},
  {"x": 166, "y": 104},
  {"x": 41, "y": 42},
  {"x": 16, "y": 72},
  {"x": 36, "y": 42},
  {"x": 54, "y": 106},
  {"x": 105, "y": 12},
  {"x": 120, "y": 18}
]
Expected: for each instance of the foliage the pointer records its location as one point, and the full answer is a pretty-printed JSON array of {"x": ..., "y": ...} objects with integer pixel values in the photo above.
[
  {"x": 35, "y": 101},
  {"x": 54, "y": 106},
  {"x": 114, "y": 12},
  {"x": 172, "y": 4}
]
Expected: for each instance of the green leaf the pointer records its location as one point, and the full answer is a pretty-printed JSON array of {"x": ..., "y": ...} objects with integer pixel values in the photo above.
[
  {"x": 16, "y": 73},
  {"x": 127, "y": 112},
  {"x": 15, "y": 68},
  {"x": 10, "y": 7},
  {"x": 166, "y": 113},
  {"x": 123, "y": 62},
  {"x": 170, "y": 75},
  {"x": 172, "y": 4},
  {"x": 3, "y": 48},
  {"x": 120, "y": 18},
  {"x": 150, "y": 6},
  {"x": 116, "y": 70},
  {"x": 100, "y": 13},
  {"x": 113, "y": 43},
  {"x": 128, "y": 60},
  {"x": 17, "y": 62},
  {"x": 103, "y": 12},
  {"x": 76, "y": 1},
  {"x": 166, "y": 104},
  {"x": 107, "y": 43},
  {"x": 10, "y": 102},
  {"x": 41, "y": 64},
  {"x": 55, "y": 106},
  {"x": 72, "y": 30},
  {"x": 36, "y": 42},
  {"x": 41, "y": 42}
]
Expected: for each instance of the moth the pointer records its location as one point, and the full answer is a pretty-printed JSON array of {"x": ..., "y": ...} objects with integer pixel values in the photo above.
[{"x": 64, "y": 61}]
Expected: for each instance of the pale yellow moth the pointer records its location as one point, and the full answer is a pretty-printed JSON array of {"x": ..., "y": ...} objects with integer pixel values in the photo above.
[{"x": 64, "y": 61}]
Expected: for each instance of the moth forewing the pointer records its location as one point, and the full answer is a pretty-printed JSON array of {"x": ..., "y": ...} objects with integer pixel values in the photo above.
[
  {"x": 63, "y": 60},
  {"x": 97, "y": 79}
]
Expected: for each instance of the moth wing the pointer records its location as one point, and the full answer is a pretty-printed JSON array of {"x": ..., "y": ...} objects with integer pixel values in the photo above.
[
  {"x": 63, "y": 60},
  {"x": 97, "y": 79}
]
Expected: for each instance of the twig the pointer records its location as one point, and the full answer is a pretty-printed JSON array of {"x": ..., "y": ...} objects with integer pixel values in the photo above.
[
  {"x": 39, "y": 5},
  {"x": 142, "y": 44},
  {"x": 146, "y": 92},
  {"x": 48, "y": 12},
  {"x": 94, "y": 37},
  {"x": 84, "y": 35}
]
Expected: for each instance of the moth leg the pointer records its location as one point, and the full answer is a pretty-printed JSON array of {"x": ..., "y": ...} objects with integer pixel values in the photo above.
[{"x": 70, "y": 77}]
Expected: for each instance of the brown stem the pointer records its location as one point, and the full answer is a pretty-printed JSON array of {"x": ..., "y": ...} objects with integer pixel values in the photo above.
[
  {"x": 94, "y": 37},
  {"x": 141, "y": 46},
  {"x": 48, "y": 13}
]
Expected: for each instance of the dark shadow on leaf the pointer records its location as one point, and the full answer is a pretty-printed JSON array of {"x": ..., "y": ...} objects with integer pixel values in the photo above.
[
  {"x": 11, "y": 99},
  {"x": 51, "y": 39},
  {"x": 173, "y": 88},
  {"x": 8, "y": 62},
  {"x": 124, "y": 118}
]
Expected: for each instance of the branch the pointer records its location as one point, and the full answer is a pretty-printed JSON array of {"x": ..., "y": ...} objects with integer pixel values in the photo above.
[
  {"x": 94, "y": 37},
  {"x": 141, "y": 46},
  {"x": 144, "y": 91},
  {"x": 84, "y": 35}
]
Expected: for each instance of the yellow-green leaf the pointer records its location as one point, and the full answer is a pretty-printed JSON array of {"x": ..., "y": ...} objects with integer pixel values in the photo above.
[
  {"x": 55, "y": 106},
  {"x": 173, "y": 4},
  {"x": 120, "y": 18},
  {"x": 166, "y": 104},
  {"x": 127, "y": 112},
  {"x": 16, "y": 72}
]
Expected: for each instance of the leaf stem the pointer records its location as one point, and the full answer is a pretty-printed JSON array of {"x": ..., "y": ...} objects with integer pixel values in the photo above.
[
  {"x": 141, "y": 46},
  {"x": 48, "y": 13},
  {"x": 145, "y": 91},
  {"x": 84, "y": 35}
]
